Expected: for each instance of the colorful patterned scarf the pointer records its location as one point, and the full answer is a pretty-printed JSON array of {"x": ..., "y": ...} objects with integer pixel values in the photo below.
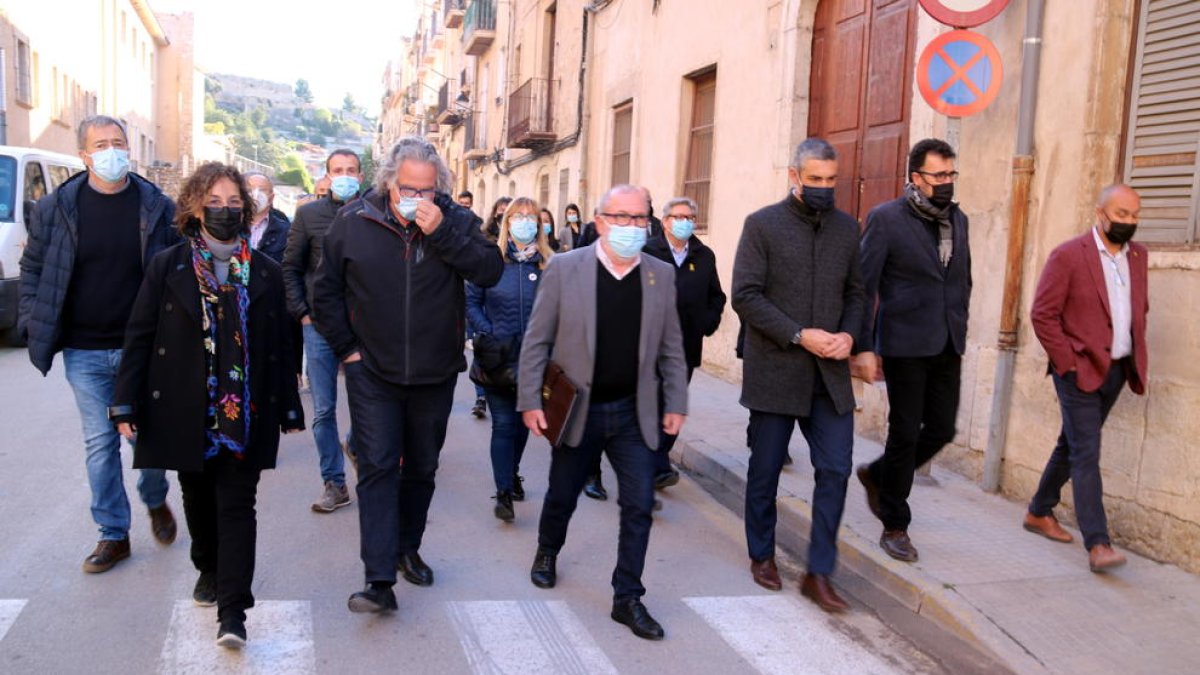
[{"x": 226, "y": 348}]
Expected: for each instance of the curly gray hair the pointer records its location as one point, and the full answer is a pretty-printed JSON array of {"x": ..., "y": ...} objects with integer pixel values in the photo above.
[{"x": 415, "y": 149}]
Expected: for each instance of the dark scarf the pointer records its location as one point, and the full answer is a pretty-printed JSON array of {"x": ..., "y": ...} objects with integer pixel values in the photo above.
[
  {"x": 226, "y": 348},
  {"x": 920, "y": 205}
]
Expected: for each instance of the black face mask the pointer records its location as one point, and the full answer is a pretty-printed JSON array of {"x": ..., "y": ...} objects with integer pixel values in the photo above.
[
  {"x": 817, "y": 198},
  {"x": 223, "y": 224},
  {"x": 943, "y": 195},
  {"x": 1120, "y": 233}
]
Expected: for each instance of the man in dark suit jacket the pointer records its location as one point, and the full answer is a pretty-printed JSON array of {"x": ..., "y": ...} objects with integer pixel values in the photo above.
[
  {"x": 1089, "y": 313},
  {"x": 797, "y": 288},
  {"x": 916, "y": 264},
  {"x": 606, "y": 313}
]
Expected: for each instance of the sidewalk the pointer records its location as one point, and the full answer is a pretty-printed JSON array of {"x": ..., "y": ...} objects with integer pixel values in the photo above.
[{"x": 1030, "y": 602}]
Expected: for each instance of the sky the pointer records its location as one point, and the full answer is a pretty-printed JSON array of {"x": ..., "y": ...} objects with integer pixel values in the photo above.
[{"x": 339, "y": 46}]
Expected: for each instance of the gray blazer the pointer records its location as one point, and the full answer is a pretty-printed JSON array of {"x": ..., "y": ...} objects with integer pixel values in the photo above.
[{"x": 563, "y": 326}]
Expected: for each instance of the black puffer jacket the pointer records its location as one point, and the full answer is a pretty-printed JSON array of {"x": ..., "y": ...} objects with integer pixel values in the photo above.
[{"x": 396, "y": 295}]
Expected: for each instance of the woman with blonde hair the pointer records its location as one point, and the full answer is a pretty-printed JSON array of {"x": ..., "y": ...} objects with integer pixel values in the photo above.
[{"x": 498, "y": 316}]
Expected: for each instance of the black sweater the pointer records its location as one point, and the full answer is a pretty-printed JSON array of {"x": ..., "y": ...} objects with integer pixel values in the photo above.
[{"x": 618, "y": 329}]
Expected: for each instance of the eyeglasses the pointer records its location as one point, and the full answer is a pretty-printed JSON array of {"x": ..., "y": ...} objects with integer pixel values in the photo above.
[
  {"x": 680, "y": 216},
  {"x": 941, "y": 176},
  {"x": 624, "y": 219},
  {"x": 406, "y": 191}
]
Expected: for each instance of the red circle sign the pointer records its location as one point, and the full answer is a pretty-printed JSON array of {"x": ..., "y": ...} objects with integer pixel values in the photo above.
[
  {"x": 959, "y": 73},
  {"x": 964, "y": 13}
]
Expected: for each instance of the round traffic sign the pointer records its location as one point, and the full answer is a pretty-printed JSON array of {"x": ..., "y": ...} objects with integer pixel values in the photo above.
[
  {"x": 964, "y": 13},
  {"x": 959, "y": 73}
]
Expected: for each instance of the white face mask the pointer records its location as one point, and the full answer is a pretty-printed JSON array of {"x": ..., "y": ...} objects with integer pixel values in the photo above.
[{"x": 261, "y": 201}]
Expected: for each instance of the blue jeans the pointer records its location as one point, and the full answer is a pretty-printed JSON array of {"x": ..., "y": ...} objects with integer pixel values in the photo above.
[
  {"x": 322, "y": 382},
  {"x": 1076, "y": 456},
  {"x": 830, "y": 438},
  {"x": 509, "y": 435},
  {"x": 92, "y": 374},
  {"x": 612, "y": 428}
]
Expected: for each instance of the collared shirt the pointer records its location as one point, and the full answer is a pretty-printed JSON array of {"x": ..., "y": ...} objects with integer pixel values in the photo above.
[
  {"x": 257, "y": 230},
  {"x": 1120, "y": 302},
  {"x": 679, "y": 255},
  {"x": 602, "y": 255}
]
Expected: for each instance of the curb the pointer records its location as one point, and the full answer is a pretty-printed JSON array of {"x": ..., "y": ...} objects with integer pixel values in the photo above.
[{"x": 724, "y": 476}]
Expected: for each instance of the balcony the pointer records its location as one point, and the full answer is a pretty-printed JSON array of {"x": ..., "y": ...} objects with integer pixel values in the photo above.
[
  {"x": 479, "y": 27},
  {"x": 530, "y": 123},
  {"x": 475, "y": 141},
  {"x": 452, "y": 103},
  {"x": 454, "y": 10}
]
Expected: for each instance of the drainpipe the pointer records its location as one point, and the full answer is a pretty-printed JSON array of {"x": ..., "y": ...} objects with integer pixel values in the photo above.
[
  {"x": 585, "y": 114},
  {"x": 1022, "y": 177}
]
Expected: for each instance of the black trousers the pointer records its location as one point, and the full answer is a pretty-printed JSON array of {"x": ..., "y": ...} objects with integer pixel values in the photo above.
[
  {"x": 923, "y": 397},
  {"x": 393, "y": 422},
  {"x": 662, "y": 454},
  {"x": 218, "y": 504}
]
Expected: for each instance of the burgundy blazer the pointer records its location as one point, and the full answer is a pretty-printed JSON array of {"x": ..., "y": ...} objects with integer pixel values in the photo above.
[{"x": 1073, "y": 321}]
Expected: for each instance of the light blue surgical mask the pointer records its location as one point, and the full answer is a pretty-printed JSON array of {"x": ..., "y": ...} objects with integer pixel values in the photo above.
[
  {"x": 572, "y": 218},
  {"x": 682, "y": 229},
  {"x": 407, "y": 207},
  {"x": 626, "y": 241},
  {"x": 110, "y": 164},
  {"x": 547, "y": 228},
  {"x": 344, "y": 187},
  {"x": 523, "y": 230}
]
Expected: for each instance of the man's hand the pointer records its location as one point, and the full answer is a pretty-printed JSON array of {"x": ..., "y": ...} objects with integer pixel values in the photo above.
[
  {"x": 672, "y": 423},
  {"x": 825, "y": 344},
  {"x": 353, "y": 358},
  {"x": 306, "y": 320},
  {"x": 839, "y": 347},
  {"x": 428, "y": 217},
  {"x": 535, "y": 421},
  {"x": 127, "y": 431},
  {"x": 865, "y": 367}
]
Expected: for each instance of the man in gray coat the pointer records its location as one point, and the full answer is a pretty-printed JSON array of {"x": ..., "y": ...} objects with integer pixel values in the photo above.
[
  {"x": 797, "y": 288},
  {"x": 607, "y": 312}
]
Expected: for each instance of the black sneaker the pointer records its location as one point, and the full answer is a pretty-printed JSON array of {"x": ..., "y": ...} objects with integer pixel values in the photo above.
[
  {"x": 376, "y": 597},
  {"x": 480, "y": 409},
  {"x": 518, "y": 489},
  {"x": 232, "y": 634},
  {"x": 504, "y": 507},
  {"x": 205, "y": 592}
]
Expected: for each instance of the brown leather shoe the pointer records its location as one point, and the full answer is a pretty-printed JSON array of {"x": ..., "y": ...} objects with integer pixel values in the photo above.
[
  {"x": 107, "y": 553},
  {"x": 766, "y": 574},
  {"x": 897, "y": 544},
  {"x": 864, "y": 476},
  {"x": 817, "y": 588},
  {"x": 1048, "y": 527},
  {"x": 1102, "y": 557},
  {"x": 162, "y": 523}
]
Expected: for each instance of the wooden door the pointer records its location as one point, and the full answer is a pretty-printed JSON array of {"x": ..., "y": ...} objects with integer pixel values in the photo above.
[{"x": 860, "y": 94}]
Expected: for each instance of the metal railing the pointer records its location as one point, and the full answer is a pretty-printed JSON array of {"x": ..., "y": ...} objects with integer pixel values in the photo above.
[
  {"x": 481, "y": 15},
  {"x": 453, "y": 11},
  {"x": 529, "y": 114}
]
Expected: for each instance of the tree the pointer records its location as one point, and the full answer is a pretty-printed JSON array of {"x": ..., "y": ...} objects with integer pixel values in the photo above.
[
  {"x": 303, "y": 92},
  {"x": 291, "y": 171},
  {"x": 368, "y": 166},
  {"x": 348, "y": 104}
]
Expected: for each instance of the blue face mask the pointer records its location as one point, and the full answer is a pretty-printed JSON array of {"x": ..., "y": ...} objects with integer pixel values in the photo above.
[
  {"x": 682, "y": 229},
  {"x": 110, "y": 164},
  {"x": 547, "y": 228},
  {"x": 572, "y": 218},
  {"x": 523, "y": 230},
  {"x": 626, "y": 241},
  {"x": 407, "y": 207},
  {"x": 344, "y": 187}
]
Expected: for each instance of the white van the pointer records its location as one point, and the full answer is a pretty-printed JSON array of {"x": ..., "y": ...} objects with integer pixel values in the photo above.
[{"x": 26, "y": 175}]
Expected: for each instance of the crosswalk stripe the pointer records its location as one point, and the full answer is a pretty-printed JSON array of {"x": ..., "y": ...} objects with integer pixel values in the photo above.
[
  {"x": 9, "y": 609},
  {"x": 280, "y": 640},
  {"x": 779, "y": 634},
  {"x": 509, "y": 636}
]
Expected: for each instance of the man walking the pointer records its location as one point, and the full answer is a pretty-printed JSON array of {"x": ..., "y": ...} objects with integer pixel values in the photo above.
[
  {"x": 916, "y": 261},
  {"x": 607, "y": 313},
  {"x": 305, "y": 244},
  {"x": 1089, "y": 313},
  {"x": 390, "y": 301},
  {"x": 89, "y": 242},
  {"x": 797, "y": 288}
]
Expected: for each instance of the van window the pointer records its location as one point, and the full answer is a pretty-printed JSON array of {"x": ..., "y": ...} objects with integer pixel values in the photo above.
[
  {"x": 35, "y": 181},
  {"x": 60, "y": 173},
  {"x": 8, "y": 179}
]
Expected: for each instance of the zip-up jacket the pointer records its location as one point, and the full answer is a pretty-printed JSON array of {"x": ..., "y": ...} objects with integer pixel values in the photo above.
[
  {"x": 302, "y": 255},
  {"x": 49, "y": 258},
  {"x": 503, "y": 310},
  {"x": 397, "y": 296}
]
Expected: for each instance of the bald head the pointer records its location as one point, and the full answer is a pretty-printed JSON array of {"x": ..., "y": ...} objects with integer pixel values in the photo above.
[
  {"x": 1117, "y": 213},
  {"x": 1117, "y": 191}
]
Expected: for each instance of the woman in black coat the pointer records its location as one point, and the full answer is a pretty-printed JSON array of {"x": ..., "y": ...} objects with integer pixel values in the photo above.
[{"x": 206, "y": 383}]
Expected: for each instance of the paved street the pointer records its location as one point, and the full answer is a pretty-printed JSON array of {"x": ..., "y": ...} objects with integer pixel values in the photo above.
[{"x": 482, "y": 615}]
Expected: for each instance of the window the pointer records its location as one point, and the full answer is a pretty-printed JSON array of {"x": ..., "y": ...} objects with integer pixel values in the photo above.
[
  {"x": 544, "y": 191},
  {"x": 24, "y": 74},
  {"x": 564, "y": 187},
  {"x": 697, "y": 176},
  {"x": 1162, "y": 136},
  {"x": 35, "y": 181},
  {"x": 59, "y": 174},
  {"x": 622, "y": 143}
]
